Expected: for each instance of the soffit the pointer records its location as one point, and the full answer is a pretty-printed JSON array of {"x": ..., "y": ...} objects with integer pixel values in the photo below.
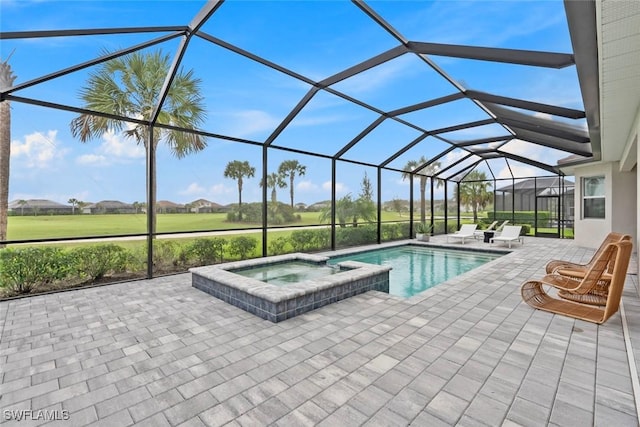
[{"x": 620, "y": 73}]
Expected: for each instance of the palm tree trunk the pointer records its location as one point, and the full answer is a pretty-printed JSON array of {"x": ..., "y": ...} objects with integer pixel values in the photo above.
[
  {"x": 291, "y": 188},
  {"x": 5, "y": 153},
  {"x": 240, "y": 199}
]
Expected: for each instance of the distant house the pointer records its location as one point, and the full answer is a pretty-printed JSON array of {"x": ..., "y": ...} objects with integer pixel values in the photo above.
[
  {"x": 522, "y": 196},
  {"x": 38, "y": 207},
  {"x": 205, "y": 206},
  {"x": 165, "y": 206},
  {"x": 109, "y": 207},
  {"x": 318, "y": 206}
]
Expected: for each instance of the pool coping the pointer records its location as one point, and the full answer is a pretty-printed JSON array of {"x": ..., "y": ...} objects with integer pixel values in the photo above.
[{"x": 412, "y": 242}]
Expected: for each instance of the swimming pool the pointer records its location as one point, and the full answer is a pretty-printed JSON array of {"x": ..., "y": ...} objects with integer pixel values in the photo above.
[
  {"x": 287, "y": 272},
  {"x": 417, "y": 268}
]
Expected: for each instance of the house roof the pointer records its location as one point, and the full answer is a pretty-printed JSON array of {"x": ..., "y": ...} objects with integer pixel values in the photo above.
[
  {"x": 206, "y": 203},
  {"x": 168, "y": 204},
  {"x": 535, "y": 184},
  {"x": 37, "y": 203},
  {"x": 111, "y": 204}
]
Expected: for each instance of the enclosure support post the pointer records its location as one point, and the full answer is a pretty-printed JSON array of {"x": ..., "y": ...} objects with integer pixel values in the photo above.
[
  {"x": 446, "y": 210},
  {"x": 513, "y": 200},
  {"x": 379, "y": 205},
  {"x": 535, "y": 206},
  {"x": 151, "y": 200},
  {"x": 264, "y": 200},
  {"x": 333, "y": 204},
  {"x": 458, "y": 199},
  {"x": 432, "y": 207},
  {"x": 411, "y": 177}
]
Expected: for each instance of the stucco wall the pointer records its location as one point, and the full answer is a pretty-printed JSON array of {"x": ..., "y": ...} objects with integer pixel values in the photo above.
[{"x": 620, "y": 204}]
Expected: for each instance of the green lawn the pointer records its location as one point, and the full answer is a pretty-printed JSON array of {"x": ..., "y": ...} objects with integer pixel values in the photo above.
[{"x": 56, "y": 226}]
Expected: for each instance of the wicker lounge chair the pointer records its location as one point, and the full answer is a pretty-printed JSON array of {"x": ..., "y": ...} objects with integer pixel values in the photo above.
[
  {"x": 510, "y": 233},
  {"x": 617, "y": 254},
  {"x": 577, "y": 272},
  {"x": 466, "y": 232},
  {"x": 554, "y": 265}
]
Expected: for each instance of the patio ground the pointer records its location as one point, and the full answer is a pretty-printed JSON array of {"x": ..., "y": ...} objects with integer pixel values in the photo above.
[{"x": 468, "y": 352}]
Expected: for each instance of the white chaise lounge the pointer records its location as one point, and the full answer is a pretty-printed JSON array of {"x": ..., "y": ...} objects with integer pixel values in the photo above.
[
  {"x": 510, "y": 233},
  {"x": 466, "y": 232}
]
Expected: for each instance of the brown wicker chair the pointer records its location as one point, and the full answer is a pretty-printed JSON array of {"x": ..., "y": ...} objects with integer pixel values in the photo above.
[
  {"x": 574, "y": 271},
  {"x": 619, "y": 254}
]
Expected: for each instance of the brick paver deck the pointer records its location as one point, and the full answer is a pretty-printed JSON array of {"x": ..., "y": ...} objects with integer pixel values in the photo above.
[{"x": 468, "y": 352}]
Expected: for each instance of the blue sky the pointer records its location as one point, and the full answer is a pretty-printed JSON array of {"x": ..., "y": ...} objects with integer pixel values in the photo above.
[{"x": 245, "y": 99}]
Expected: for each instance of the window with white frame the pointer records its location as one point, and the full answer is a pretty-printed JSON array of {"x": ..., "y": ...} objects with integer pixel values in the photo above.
[{"x": 593, "y": 196}]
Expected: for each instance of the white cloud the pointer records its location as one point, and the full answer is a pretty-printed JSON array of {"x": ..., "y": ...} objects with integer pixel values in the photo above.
[
  {"x": 376, "y": 78},
  {"x": 193, "y": 189},
  {"x": 92, "y": 159},
  {"x": 39, "y": 150},
  {"x": 340, "y": 187},
  {"x": 118, "y": 146},
  {"x": 518, "y": 171},
  {"x": 114, "y": 148},
  {"x": 307, "y": 187},
  {"x": 221, "y": 189},
  {"x": 248, "y": 122},
  {"x": 545, "y": 116},
  {"x": 453, "y": 157}
]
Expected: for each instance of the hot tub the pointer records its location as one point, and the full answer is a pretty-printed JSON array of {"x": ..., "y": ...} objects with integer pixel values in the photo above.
[{"x": 289, "y": 289}]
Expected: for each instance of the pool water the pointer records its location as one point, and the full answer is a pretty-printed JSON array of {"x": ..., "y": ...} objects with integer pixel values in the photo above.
[
  {"x": 287, "y": 272},
  {"x": 416, "y": 269}
]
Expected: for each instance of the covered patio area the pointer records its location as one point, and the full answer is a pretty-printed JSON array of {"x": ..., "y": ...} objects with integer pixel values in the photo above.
[{"x": 467, "y": 352}]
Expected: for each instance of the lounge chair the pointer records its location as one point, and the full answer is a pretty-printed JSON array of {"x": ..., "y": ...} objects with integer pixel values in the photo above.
[
  {"x": 501, "y": 226},
  {"x": 465, "y": 232},
  {"x": 577, "y": 272},
  {"x": 479, "y": 234},
  {"x": 510, "y": 233},
  {"x": 616, "y": 254}
]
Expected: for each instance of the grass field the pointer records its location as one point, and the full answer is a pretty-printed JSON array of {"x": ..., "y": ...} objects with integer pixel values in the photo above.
[{"x": 58, "y": 226}]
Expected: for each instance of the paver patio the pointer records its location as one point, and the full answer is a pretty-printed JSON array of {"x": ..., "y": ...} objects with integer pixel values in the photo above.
[{"x": 468, "y": 352}]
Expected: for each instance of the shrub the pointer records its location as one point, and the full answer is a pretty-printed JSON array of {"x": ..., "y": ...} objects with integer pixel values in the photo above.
[
  {"x": 242, "y": 246},
  {"x": 205, "y": 251},
  {"x": 302, "y": 240},
  {"x": 165, "y": 255},
  {"x": 321, "y": 238},
  {"x": 394, "y": 231},
  {"x": 526, "y": 229},
  {"x": 353, "y": 236},
  {"x": 277, "y": 246},
  {"x": 94, "y": 262},
  {"x": 25, "y": 269}
]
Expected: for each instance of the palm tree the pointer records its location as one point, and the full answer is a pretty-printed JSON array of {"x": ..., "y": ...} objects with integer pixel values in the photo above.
[
  {"x": 6, "y": 81},
  {"x": 82, "y": 205},
  {"x": 274, "y": 180},
  {"x": 345, "y": 209},
  {"x": 289, "y": 168},
  {"x": 238, "y": 170},
  {"x": 475, "y": 194},
  {"x": 424, "y": 174},
  {"x": 131, "y": 86},
  {"x": 21, "y": 203},
  {"x": 73, "y": 202}
]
